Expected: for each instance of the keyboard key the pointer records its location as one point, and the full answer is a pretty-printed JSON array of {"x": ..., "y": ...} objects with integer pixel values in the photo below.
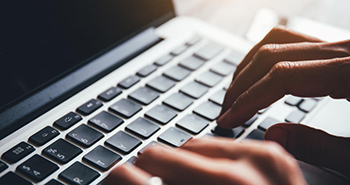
[
  {"x": 192, "y": 63},
  {"x": 61, "y": 151},
  {"x": 174, "y": 137},
  {"x": 250, "y": 121},
  {"x": 142, "y": 128},
  {"x": 11, "y": 178},
  {"x": 209, "y": 79},
  {"x": 164, "y": 60},
  {"x": 105, "y": 121},
  {"x": 267, "y": 123},
  {"x": 161, "y": 114},
  {"x": 161, "y": 84},
  {"x": 192, "y": 123},
  {"x": 223, "y": 68},
  {"x": 296, "y": 116},
  {"x": 84, "y": 136},
  {"x": 209, "y": 51},
  {"x": 132, "y": 160},
  {"x": 89, "y": 107},
  {"x": 177, "y": 73},
  {"x": 17, "y": 152},
  {"x": 37, "y": 168},
  {"x": 308, "y": 105},
  {"x": 3, "y": 166},
  {"x": 178, "y": 101},
  {"x": 194, "y": 89},
  {"x": 53, "y": 182},
  {"x": 125, "y": 108},
  {"x": 218, "y": 97},
  {"x": 208, "y": 110},
  {"x": 144, "y": 95},
  {"x": 193, "y": 41},
  {"x": 79, "y": 174},
  {"x": 234, "y": 58},
  {"x": 230, "y": 133},
  {"x": 67, "y": 121},
  {"x": 123, "y": 142},
  {"x": 293, "y": 100},
  {"x": 179, "y": 50},
  {"x": 256, "y": 135},
  {"x": 147, "y": 70},
  {"x": 43, "y": 136},
  {"x": 109, "y": 94},
  {"x": 102, "y": 158},
  {"x": 129, "y": 82}
]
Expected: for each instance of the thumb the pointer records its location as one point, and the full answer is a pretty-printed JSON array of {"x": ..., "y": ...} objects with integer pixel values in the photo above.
[{"x": 313, "y": 146}]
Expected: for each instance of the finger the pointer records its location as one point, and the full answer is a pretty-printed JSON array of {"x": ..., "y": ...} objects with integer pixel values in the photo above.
[
  {"x": 313, "y": 146},
  {"x": 309, "y": 78},
  {"x": 269, "y": 55},
  {"x": 127, "y": 174}
]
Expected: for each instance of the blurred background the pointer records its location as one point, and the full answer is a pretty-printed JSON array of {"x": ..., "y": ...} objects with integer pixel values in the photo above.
[{"x": 237, "y": 16}]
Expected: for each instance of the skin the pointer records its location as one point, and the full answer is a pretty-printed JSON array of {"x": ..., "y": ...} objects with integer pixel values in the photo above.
[{"x": 284, "y": 62}]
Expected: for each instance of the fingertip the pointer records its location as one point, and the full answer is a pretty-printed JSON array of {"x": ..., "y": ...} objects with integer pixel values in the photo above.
[
  {"x": 277, "y": 134},
  {"x": 228, "y": 120}
]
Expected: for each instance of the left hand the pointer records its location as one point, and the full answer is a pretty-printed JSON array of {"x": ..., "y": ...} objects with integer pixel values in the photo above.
[{"x": 212, "y": 161}]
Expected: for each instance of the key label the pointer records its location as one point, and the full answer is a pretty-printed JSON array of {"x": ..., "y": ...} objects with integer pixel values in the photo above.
[
  {"x": 61, "y": 156},
  {"x": 50, "y": 150},
  {"x": 99, "y": 162},
  {"x": 68, "y": 119},
  {"x": 36, "y": 173},
  {"x": 26, "y": 168},
  {"x": 18, "y": 150},
  {"x": 84, "y": 140},
  {"x": 45, "y": 134},
  {"x": 76, "y": 179}
]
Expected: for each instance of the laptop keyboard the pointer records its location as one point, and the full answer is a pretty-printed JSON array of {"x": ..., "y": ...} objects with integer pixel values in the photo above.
[{"x": 118, "y": 146}]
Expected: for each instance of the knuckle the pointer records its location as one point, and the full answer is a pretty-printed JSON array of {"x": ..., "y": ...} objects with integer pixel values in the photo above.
[
  {"x": 281, "y": 69},
  {"x": 277, "y": 30},
  {"x": 267, "y": 50}
]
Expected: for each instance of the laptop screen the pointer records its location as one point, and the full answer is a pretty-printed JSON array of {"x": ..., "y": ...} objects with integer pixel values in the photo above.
[{"x": 42, "y": 39}]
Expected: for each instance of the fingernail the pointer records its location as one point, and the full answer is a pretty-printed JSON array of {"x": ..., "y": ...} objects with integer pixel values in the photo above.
[{"x": 277, "y": 134}]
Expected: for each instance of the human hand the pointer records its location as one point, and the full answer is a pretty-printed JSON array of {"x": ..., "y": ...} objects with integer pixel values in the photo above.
[{"x": 212, "y": 161}]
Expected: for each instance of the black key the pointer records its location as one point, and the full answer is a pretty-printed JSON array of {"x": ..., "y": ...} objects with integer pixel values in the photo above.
[
  {"x": 293, "y": 101},
  {"x": 174, "y": 137},
  {"x": 234, "y": 58},
  {"x": 192, "y": 123},
  {"x": 296, "y": 116},
  {"x": 17, "y": 152},
  {"x": 84, "y": 136},
  {"x": 129, "y": 82},
  {"x": 250, "y": 121},
  {"x": 161, "y": 114},
  {"x": 209, "y": 51},
  {"x": 105, "y": 121},
  {"x": 61, "y": 151},
  {"x": 223, "y": 68},
  {"x": 308, "y": 105},
  {"x": 125, "y": 108},
  {"x": 11, "y": 178},
  {"x": 109, "y": 94},
  {"x": 53, "y": 182},
  {"x": 164, "y": 60},
  {"x": 102, "y": 158},
  {"x": 67, "y": 121},
  {"x": 230, "y": 133},
  {"x": 78, "y": 174},
  {"x": 256, "y": 135},
  {"x": 43, "y": 136},
  {"x": 194, "y": 89},
  {"x": 142, "y": 127},
  {"x": 37, "y": 168},
  {"x": 208, "y": 110},
  {"x": 178, "y": 101},
  {"x": 89, "y": 107},
  {"x": 192, "y": 63},
  {"x": 193, "y": 41},
  {"x": 132, "y": 160},
  {"x": 123, "y": 142},
  {"x": 3, "y": 166},
  {"x": 267, "y": 123},
  {"x": 144, "y": 95},
  {"x": 161, "y": 84},
  {"x": 147, "y": 70},
  {"x": 218, "y": 97},
  {"x": 177, "y": 73},
  {"x": 179, "y": 50},
  {"x": 209, "y": 79}
]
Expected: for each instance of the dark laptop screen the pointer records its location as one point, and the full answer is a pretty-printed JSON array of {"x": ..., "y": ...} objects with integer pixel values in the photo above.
[{"x": 42, "y": 39}]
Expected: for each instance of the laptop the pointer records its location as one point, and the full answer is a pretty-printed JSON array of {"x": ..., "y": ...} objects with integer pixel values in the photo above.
[{"x": 88, "y": 85}]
